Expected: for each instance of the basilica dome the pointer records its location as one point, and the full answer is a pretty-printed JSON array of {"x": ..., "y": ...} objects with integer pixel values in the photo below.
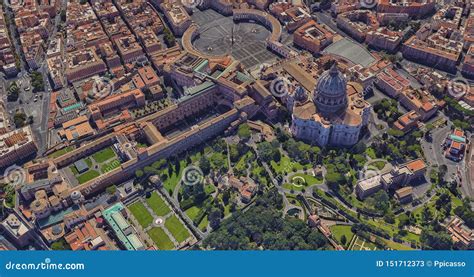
[
  {"x": 330, "y": 95},
  {"x": 300, "y": 95}
]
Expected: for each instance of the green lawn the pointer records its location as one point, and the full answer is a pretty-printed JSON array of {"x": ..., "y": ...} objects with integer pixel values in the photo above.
[
  {"x": 209, "y": 189},
  {"x": 218, "y": 161},
  {"x": 226, "y": 207},
  {"x": 242, "y": 163},
  {"x": 310, "y": 180},
  {"x": 177, "y": 229},
  {"x": 106, "y": 167},
  {"x": 371, "y": 153},
  {"x": 203, "y": 224},
  {"x": 455, "y": 202},
  {"x": 88, "y": 162},
  {"x": 89, "y": 175},
  {"x": 104, "y": 155},
  {"x": 396, "y": 245},
  {"x": 293, "y": 187},
  {"x": 61, "y": 152},
  {"x": 170, "y": 183},
  {"x": 391, "y": 229},
  {"x": 161, "y": 239},
  {"x": 192, "y": 212},
  {"x": 293, "y": 200},
  {"x": 74, "y": 170},
  {"x": 379, "y": 164},
  {"x": 285, "y": 165},
  {"x": 157, "y": 204},
  {"x": 339, "y": 230},
  {"x": 301, "y": 181},
  {"x": 141, "y": 214}
]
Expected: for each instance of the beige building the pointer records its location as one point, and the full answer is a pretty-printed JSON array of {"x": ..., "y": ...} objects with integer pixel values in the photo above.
[{"x": 16, "y": 145}]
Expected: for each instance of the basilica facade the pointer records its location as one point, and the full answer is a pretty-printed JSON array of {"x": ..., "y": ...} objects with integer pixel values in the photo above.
[{"x": 333, "y": 115}]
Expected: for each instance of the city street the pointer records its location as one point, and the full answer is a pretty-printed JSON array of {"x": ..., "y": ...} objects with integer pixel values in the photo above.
[{"x": 33, "y": 104}]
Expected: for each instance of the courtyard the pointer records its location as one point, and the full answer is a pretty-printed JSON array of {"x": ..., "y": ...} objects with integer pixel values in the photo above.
[
  {"x": 93, "y": 166},
  {"x": 156, "y": 219},
  {"x": 247, "y": 45}
]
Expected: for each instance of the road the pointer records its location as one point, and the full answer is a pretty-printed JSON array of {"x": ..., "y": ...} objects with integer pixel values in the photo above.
[
  {"x": 432, "y": 150},
  {"x": 434, "y": 154},
  {"x": 34, "y": 105}
]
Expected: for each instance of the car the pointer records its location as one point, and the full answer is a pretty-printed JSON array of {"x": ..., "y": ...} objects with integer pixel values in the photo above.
[{"x": 27, "y": 88}]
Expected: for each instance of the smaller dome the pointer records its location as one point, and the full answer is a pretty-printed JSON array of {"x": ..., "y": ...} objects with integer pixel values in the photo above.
[
  {"x": 57, "y": 230},
  {"x": 300, "y": 94},
  {"x": 76, "y": 195}
]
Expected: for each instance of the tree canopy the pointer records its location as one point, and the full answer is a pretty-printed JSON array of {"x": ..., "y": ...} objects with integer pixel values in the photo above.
[{"x": 262, "y": 226}]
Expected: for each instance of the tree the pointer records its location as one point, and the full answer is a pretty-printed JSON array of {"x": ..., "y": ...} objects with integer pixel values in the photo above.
[
  {"x": 244, "y": 132},
  {"x": 442, "y": 171},
  {"x": 215, "y": 218},
  {"x": 37, "y": 81},
  {"x": 343, "y": 239},
  {"x": 334, "y": 178},
  {"x": 139, "y": 173},
  {"x": 389, "y": 218},
  {"x": 263, "y": 227},
  {"x": 267, "y": 152},
  {"x": 111, "y": 190},
  {"x": 465, "y": 213},
  {"x": 381, "y": 199},
  {"x": 170, "y": 40},
  {"x": 436, "y": 240},
  {"x": 226, "y": 196},
  {"x": 60, "y": 245},
  {"x": 19, "y": 119},
  {"x": 395, "y": 133},
  {"x": 13, "y": 92},
  {"x": 426, "y": 215},
  {"x": 205, "y": 165}
]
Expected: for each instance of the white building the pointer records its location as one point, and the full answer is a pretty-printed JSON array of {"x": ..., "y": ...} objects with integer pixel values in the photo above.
[{"x": 335, "y": 116}]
